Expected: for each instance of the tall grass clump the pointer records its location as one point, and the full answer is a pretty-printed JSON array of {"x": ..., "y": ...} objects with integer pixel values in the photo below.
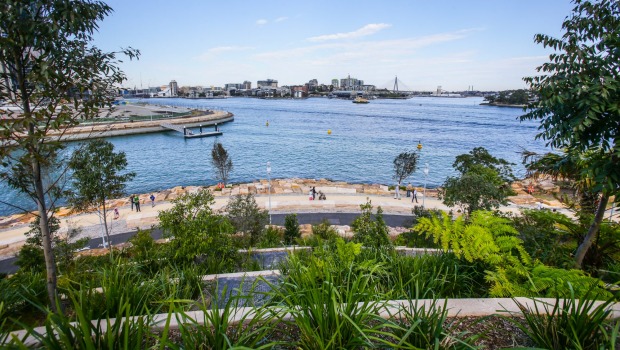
[
  {"x": 113, "y": 286},
  {"x": 22, "y": 291},
  {"x": 435, "y": 276},
  {"x": 330, "y": 315},
  {"x": 569, "y": 323},
  {"x": 422, "y": 326},
  {"x": 222, "y": 322},
  {"x": 79, "y": 331}
]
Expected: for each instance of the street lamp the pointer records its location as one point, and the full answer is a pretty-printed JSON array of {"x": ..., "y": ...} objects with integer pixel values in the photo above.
[
  {"x": 425, "y": 179},
  {"x": 269, "y": 179}
]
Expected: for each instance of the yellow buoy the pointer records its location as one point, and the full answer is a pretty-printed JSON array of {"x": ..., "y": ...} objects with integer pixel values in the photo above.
[
  {"x": 329, "y": 131},
  {"x": 267, "y": 123}
]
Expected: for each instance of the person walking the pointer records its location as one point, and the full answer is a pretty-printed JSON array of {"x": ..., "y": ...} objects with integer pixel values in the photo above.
[
  {"x": 415, "y": 195},
  {"x": 313, "y": 191},
  {"x": 116, "y": 214},
  {"x": 152, "y": 197},
  {"x": 409, "y": 188},
  {"x": 397, "y": 191},
  {"x": 136, "y": 202},
  {"x": 131, "y": 201}
]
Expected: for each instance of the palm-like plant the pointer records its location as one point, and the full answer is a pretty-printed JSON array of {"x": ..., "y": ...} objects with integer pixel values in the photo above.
[{"x": 577, "y": 167}]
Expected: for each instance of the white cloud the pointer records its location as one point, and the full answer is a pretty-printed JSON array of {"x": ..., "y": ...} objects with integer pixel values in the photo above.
[
  {"x": 261, "y": 22},
  {"x": 347, "y": 50},
  {"x": 368, "y": 29},
  {"x": 280, "y": 19}
]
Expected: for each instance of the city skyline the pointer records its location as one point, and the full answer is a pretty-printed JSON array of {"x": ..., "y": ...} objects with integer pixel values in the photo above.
[{"x": 489, "y": 46}]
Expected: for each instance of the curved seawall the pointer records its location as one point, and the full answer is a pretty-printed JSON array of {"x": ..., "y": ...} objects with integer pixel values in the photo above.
[{"x": 141, "y": 127}]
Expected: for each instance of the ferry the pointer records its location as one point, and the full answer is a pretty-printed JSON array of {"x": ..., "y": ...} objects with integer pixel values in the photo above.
[{"x": 360, "y": 100}]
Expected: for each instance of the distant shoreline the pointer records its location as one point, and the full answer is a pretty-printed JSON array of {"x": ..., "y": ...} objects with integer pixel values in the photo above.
[{"x": 494, "y": 104}]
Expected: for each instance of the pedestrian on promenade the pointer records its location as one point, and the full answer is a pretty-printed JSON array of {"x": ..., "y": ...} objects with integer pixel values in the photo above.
[
  {"x": 136, "y": 202},
  {"x": 313, "y": 191},
  {"x": 116, "y": 214},
  {"x": 409, "y": 188},
  {"x": 152, "y": 197},
  {"x": 131, "y": 201},
  {"x": 397, "y": 191},
  {"x": 415, "y": 195}
]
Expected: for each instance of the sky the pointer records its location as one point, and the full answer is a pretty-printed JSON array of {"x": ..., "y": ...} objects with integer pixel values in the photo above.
[{"x": 484, "y": 44}]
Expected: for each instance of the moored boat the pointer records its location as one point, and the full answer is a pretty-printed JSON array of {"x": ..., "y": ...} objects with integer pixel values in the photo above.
[{"x": 360, "y": 100}]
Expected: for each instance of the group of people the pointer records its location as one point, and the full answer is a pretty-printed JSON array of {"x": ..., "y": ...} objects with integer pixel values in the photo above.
[
  {"x": 135, "y": 201},
  {"x": 313, "y": 193},
  {"x": 411, "y": 192}
]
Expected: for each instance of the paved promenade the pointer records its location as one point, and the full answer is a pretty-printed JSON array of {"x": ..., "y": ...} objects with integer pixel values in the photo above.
[{"x": 288, "y": 196}]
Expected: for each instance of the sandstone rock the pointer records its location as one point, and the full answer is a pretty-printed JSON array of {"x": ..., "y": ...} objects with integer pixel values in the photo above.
[{"x": 306, "y": 230}]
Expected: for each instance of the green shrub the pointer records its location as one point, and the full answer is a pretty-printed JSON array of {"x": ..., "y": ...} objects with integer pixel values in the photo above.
[
  {"x": 371, "y": 232},
  {"x": 200, "y": 236},
  {"x": 491, "y": 240},
  {"x": 324, "y": 231},
  {"x": 569, "y": 323},
  {"x": 273, "y": 237},
  {"x": 291, "y": 229},
  {"x": 247, "y": 218}
]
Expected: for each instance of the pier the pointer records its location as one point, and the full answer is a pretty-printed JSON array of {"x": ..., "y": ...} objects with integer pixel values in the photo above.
[{"x": 188, "y": 134}]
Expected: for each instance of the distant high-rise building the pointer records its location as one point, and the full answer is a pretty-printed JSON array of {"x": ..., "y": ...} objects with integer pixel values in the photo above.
[
  {"x": 335, "y": 83},
  {"x": 247, "y": 85},
  {"x": 269, "y": 83},
  {"x": 349, "y": 83},
  {"x": 174, "y": 88}
]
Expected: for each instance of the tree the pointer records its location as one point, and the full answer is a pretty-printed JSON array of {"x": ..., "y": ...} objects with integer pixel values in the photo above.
[
  {"x": 482, "y": 183},
  {"x": 579, "y": 90},
  {"x": 480, "y": 156},
  {"x": 291, "y": 229},
  {"x": 221, "y": 162},
  {"x": 55, "y": 77},
  {"x": 98, "y": 178},
  {"x": 404, "y": 165},
  {"x": 247, "y": 217}
]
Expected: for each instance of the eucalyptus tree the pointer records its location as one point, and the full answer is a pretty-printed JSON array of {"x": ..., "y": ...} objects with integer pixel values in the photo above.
[
  {"x": 221, "y": 161},
  {"x": 98, "y": 174},
  {"x": 579, "y": 94},
  {"x": 405, "y": 164},
  {"x": 53, "y": 77}
]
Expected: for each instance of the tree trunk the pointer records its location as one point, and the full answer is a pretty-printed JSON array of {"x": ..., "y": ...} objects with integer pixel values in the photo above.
[
  {"x": 48, "y": 253},
  {"x": 104, "y": 213},
  {"x": 592, "y": 232}
]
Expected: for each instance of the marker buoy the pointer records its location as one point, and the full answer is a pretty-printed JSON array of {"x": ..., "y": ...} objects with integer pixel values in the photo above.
[
  {"x": 267, "y": 123},
  {"x": 329, "y": 131}
]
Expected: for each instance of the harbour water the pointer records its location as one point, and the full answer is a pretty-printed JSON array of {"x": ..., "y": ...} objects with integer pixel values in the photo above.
[{"x": 361, "y": 148}]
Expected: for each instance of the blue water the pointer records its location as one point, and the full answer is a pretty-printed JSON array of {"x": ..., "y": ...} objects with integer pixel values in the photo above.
[{"x": 363, "y": 143}]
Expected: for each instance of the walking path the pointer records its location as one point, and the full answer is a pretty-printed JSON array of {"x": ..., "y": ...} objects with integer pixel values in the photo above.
[{"x": 287, "y": 196}]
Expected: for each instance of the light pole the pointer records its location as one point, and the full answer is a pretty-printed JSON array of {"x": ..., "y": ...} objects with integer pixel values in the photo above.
[
  {"x": 425, "y": 179},
  {"x": 269, "y": 179}
]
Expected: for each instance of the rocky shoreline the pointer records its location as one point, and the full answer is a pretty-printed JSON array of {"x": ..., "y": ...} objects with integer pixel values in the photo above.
[{"x": 294, "y": 186}]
